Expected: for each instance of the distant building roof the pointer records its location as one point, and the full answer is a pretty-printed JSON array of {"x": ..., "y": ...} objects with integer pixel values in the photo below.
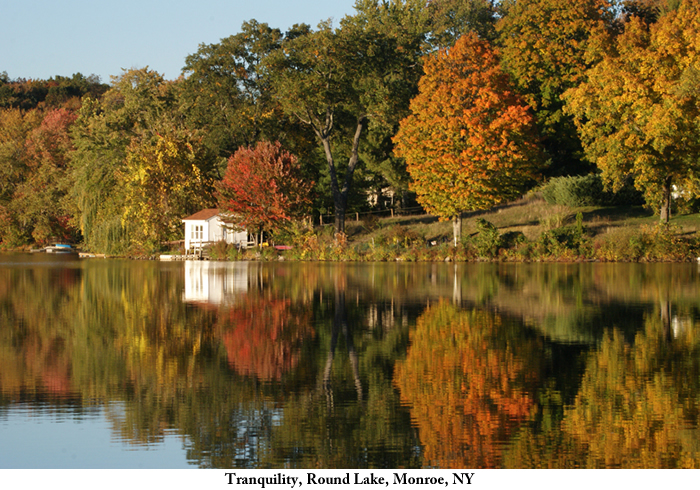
[{"x": 202, "y": 215}]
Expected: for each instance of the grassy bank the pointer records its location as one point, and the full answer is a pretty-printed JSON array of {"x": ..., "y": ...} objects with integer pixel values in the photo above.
[{"x": 526, "y": 230}]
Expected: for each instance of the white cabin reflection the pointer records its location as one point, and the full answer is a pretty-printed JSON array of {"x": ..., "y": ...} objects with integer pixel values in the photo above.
[{"x": 214, "y": 282}]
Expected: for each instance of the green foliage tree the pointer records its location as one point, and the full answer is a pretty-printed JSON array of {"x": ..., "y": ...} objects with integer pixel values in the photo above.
[
  {"x": 451, "y": 19},
  {"x": 639, "y": 111},
  {"x": 470, "y": 141},
  {"x": 547, "y": 46},
  {"x": 407, "y": 24},
  {"x": 340, "y": 81},
  {"x": 227, "y": 91},
  {"x": 118, "y": 139}
]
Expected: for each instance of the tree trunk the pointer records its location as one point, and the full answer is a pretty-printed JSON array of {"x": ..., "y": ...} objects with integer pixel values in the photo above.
[
  {"x": 339, "y": 224},
  {"x": 666, "y": 318},
  {"x": 665, "y": 212},
  {"x": 340, "y": 195},
  {"x": 457, "y": 228}
]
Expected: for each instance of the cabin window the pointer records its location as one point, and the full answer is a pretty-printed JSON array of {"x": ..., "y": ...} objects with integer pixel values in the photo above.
[{"x": 197, "y": 232}]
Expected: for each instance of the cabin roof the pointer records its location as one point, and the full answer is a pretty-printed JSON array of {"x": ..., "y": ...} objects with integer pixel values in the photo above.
[{"x": 202, "y": 215}]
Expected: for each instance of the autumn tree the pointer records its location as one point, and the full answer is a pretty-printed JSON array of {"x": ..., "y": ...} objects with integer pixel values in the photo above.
[
  {"x": 639, "y": 110},
  {"x": 124, "y": 140},
  {"x": 546, "y": 47},
  {"x": 469, "y": 385},
  {"x": 648, "y": 10},
  {"x": 35, "y": 148},
  {"x": 15, "y": 128},
  {"x": 39, "y": 200},
  {"x": 262, "y": 188},
  {"x": 163, "y": 181},
  {"x": 54, "y": 93},
  {"x": 470, "y": 141}
]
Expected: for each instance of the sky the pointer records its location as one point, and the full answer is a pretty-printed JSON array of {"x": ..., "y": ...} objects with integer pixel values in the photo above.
[{"x": 40, "y": 39}]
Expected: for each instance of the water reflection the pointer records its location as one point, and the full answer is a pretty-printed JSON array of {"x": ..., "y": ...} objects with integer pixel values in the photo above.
[
  {"x": 470, "y": 378},
  {"x": 214, "y": 282},
  {"x": 359, "y": 365}
]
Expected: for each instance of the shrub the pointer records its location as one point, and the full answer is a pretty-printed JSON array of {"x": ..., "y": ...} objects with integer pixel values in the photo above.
[
  {"x": 588, "y": 190},
  {"x": 487, "y": 240},
  {"x": 559, "y": 241},
  {"x": 512, "y": 239},
  {"x": 219, "y": 250},
  {"x": 647, "y": 244}
]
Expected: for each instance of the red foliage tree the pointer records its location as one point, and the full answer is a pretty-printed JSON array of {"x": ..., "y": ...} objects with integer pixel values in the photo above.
[
  {"x": 262, "y": 188},
  {"x": 263, "y": 337},
  {"x": 39, "y": 199}
]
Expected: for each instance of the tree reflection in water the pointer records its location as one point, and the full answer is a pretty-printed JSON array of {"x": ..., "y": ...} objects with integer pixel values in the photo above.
[
  {"x": 470, "y": 381},
  {"x": 364, "y": 365}
]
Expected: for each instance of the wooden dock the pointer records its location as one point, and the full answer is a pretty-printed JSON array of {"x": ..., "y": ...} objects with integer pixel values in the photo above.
[{"x": 182, "y": 257}]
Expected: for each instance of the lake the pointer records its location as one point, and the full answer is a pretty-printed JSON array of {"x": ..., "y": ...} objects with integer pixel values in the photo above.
[{"x": 142, "y": 364}]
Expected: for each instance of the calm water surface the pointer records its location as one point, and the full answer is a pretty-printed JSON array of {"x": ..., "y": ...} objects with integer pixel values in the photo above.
[{"x": 108, "y": 363}]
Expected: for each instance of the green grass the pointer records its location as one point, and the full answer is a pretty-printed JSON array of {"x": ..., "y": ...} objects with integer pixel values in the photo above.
[{"x": 530, "y": 215}]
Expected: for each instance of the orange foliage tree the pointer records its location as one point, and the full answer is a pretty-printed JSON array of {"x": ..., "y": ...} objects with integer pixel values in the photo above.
[
  {"x": 36, "y": 204},
  {"x": 470, "y": 142},
  {"x": 468, "y": 386}
]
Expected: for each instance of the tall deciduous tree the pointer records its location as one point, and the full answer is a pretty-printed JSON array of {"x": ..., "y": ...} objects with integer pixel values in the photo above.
[
  {"x": 451, "y": 19},
  {"x": 262, "y": 190},
  {"x": 15, "y": 128},
  {"x": 547, "y": 46},
  {"x": 38, "y": 201},
  {"x": 639, "y": 111},
  {"x": 341, "y": 81},
  {"x": 226, "y": 90},
  {"x": 104, "y": 130},
  {"x": 470, "y": 141}
]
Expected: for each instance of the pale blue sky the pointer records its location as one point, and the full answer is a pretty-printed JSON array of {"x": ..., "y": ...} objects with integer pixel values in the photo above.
[{"x": 40, "y": 39}]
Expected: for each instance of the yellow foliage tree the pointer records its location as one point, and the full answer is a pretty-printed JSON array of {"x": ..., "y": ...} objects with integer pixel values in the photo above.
[
  {"x": 163, "y": 180},
  {"x": 639, "y": 112}
]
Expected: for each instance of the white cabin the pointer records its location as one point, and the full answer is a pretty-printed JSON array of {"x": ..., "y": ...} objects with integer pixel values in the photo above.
[{"x": 206, "y": 227}]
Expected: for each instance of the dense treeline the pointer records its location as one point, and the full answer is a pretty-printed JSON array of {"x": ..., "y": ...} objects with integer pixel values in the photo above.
[{"x": 608, "y": 86}]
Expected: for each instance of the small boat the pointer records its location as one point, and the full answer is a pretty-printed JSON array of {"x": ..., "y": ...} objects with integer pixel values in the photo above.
[{"x": 58, "y": 248}]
